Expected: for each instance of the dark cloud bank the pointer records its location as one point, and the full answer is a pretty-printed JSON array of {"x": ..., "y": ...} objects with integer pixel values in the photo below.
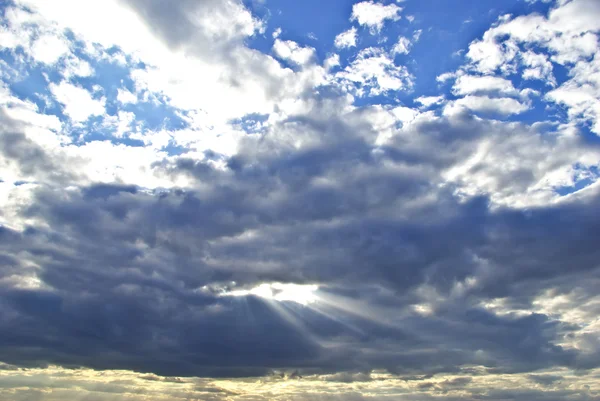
[{"x": 131, "y": 276}]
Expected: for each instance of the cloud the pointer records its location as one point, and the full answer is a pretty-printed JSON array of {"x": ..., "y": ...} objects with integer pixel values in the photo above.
[
  {"x": 164, "y": 257},
  {"x": 184, "y": 215},
  {"x": 49, "y": 49},
  {"x": 428, "y": 101},
  {"x": 376, "y": 72},
  {"x": 290, "y": 50},
  {"x": 125, "y": 97},
  {"x": 502, "y": 105},
  {"x": 346, "y": 39},
  {"x": 470, "y": 85},
  {"x": 30, "y": 159},
  {"x": 571, "y": 44},
  {"x": 373, "y": 15},
  {"x": 78, "y": 103},
  {"x": 580, "y": 94},
  {"x": 402, "y": 46}
]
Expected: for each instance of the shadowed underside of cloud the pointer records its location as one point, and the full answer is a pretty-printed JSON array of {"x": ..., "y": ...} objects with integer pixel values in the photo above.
[
  {"x": 312, "y": 241},
  {"x": 129, "y": 279}
]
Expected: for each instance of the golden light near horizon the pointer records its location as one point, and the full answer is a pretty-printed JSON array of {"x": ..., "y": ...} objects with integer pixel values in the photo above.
[{"x": 303, "y": 294}]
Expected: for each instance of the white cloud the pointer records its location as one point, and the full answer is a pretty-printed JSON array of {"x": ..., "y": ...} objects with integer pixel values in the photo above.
[
  {"x": 567, "y": 32},
  {"x": 402, "y": 46},
  {"x": 332, "y": 61},
  {"x": 228, "y": 23},
  {"x": 472, "y": 84},
  {"x": 375, "y": 72},
  {"x": 486, "y": 104},
  {"x": 38, "y": 38},
  {"x": 373, "y": 15},
  {"x": 202, "y": 67},
  {"x": 48, "y": 49},
  {"x": 538, "y": 67},
  {"x": 121, "y": 123},
  {"x": 532, "y": 43},
  {"x": 428, "y": 101},
  {"x": 346, "y": 39},
  {"x": 404, "y": 114},
  {"x": 78, "y": 103},
  {"x": 292, "y": 51},
  {"x": 489, "y": 56},
  {"x": 447, "y": 76},
  {"x": 519, "y": 166},
  {"x": 581, "y": 93},
  {"x": 577, "y": 16},
  {"x": 126, "y": 97},
  {"x": 76, "y": 67}
]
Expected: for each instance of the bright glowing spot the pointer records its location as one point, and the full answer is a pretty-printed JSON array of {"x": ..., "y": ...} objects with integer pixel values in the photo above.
[{"x": 301, "y": 294}]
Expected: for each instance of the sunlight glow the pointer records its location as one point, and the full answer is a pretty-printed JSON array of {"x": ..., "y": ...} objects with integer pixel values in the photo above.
[{"x": 303, "y": 294}]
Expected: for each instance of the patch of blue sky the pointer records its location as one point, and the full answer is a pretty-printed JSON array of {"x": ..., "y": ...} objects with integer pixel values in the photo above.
[
  {"x": 301, "y": 20},
  {"x": 155, "y": 116},
  {"x": 389, "y": 98},
  {"x": 30, "y": 83},
  {"x": 32, "y": 86},
  {"x": 448, "y": 27},
  {"x": 250, "y": 123},
  {"x": 110, "y": 76},
  {"x": 590, "y": 137},
  {"x": 173, "y": 149},
  {"x": 151, "y": 114},
  {"x": 95, "y": 129}
]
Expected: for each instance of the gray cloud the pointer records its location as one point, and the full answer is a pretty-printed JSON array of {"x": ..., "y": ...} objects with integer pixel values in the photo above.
[
  {"x": 30, "y": 158},
  {"x": 127, "y": 267}
]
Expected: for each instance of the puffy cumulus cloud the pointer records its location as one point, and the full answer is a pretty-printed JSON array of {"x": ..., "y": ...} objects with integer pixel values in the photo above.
[
  {"x": 581, "y": 93},
  {"x": 346, "y": 39},
  {"x": 428, "y": 101},
  {"x": 202, "y": 66},
  {"x": 486, "y": 94},
  {"x": 373, "y": 72},
  {"x": 471, "y": 85},
  {"x": 41, "y": 40},
  {"x": 402, "y": 46},
  {"x": 224, "y": 224},
  {"x": 373, "y": 14},
  {"x": 78, "y": 103},
  {"x": 569, "y": 36},
  {"x": 499, "y": 105},
  {"x": 290, "y": 50}
]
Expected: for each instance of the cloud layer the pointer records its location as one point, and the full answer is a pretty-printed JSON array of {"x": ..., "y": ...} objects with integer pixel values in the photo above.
[{"x": 188, "y": 214}]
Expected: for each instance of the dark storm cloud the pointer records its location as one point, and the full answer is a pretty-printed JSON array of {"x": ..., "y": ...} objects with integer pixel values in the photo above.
[
  {"x": 117, "y": 304},
  {"x": 133, "y": 276}
]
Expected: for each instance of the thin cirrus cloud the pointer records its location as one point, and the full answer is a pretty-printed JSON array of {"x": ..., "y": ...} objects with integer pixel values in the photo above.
[{"x": 207, "y": 202}]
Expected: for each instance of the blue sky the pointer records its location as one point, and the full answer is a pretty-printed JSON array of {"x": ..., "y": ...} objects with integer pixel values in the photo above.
[{"x": 298, "y": 200}]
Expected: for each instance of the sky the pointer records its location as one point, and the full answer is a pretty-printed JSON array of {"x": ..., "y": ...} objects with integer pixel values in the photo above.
[{"x": 275, "y": 200}]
